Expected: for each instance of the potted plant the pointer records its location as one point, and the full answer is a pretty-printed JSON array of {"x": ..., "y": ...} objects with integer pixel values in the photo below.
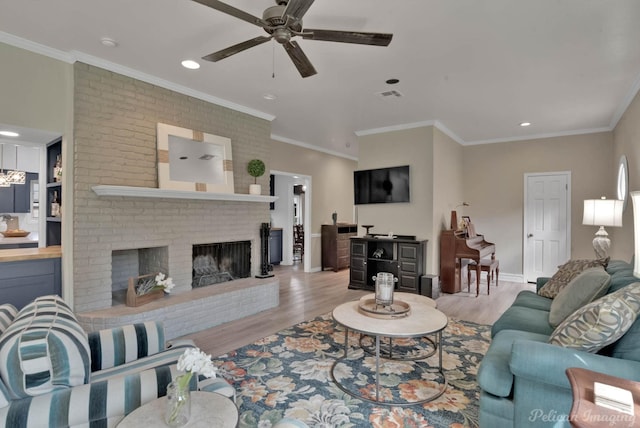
[{"x": 256, "y": 169}]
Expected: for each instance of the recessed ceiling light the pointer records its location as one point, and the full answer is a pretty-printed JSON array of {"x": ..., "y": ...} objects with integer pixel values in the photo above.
[
  {"x": 190, "y": 64},
  {"x": 392, "y": 81},
  {"x": 269, "y": 97},
  {"x": 108, "y": 42},
  {"x": 9, "y": 134},
  {"x": 523, "y": 124}
]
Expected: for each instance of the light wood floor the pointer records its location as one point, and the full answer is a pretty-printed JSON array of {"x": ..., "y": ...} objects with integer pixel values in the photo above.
[{"x": 306, "y": 295}]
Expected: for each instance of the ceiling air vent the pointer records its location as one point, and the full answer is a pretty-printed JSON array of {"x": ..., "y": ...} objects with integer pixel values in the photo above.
[{"x": 390, "y": 94}]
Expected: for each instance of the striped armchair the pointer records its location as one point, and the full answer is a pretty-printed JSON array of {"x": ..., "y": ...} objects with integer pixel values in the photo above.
[{"x": 59, "y": 380}]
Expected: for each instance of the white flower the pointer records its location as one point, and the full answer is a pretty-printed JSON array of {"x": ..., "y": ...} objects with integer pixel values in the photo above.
[
  {"x": 166, "y": 284},
  {"x": 193, "y": 360}
]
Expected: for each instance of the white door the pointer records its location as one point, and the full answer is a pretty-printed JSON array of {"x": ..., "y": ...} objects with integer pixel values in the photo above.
[{"x": 547, "y": 223}]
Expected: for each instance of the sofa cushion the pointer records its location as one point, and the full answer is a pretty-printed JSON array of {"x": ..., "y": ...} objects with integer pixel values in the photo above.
[
  {"x": 600, "y": 322},
  {"x": 7, "y": 314},
  {"x": 587, "y": 286},
  {"x": 529, "y": 299},
  {"x": 44, "y": 349},
  {"x": 494, "y": 374},
  {"x": 621, "y": 279},
  {"x": 566, "y": 273},
  {"x": 523, "y": 319}
]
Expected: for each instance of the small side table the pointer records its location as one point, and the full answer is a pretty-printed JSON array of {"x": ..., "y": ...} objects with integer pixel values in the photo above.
[
  {"x": 208, "y": 409},
  {"x": 585, "y": 413}
]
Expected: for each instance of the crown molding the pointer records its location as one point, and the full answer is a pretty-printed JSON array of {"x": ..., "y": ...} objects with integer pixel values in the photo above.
[
  {"x": 76, "y": 56},
  {"x": 626, "y": 102},
  {"x": 403, "y": 127},
  {"x": 311, "y": 147},
  {"x": 540, "y": 136},
  {"x": 34, "y": 47}
]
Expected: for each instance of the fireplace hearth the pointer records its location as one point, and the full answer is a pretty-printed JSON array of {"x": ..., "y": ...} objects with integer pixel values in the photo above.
[{"x": 220, "y": 262}]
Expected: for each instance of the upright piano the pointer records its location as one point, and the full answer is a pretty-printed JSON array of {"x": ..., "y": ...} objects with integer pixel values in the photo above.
[{"x": 454, "y": 249}]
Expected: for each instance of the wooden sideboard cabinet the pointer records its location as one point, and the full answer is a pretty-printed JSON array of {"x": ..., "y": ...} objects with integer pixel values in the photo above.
[
  {"x": 335, "y": 245},
  {"x": 404, "y": 258}
]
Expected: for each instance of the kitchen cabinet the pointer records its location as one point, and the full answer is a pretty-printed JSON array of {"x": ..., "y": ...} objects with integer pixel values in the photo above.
[
  {"x": 275, "y": 246},
  {"x": 23, "y": 281},
  {"x": 16, "y": 198},
  {"x": 54, "y": 189}
]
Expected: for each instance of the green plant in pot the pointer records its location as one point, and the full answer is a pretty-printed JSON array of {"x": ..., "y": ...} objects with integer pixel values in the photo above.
[{"x": 256, "y": 169}]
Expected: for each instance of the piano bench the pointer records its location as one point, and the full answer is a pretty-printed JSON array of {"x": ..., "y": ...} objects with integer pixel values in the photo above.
[{"x": 490, "y": 266}]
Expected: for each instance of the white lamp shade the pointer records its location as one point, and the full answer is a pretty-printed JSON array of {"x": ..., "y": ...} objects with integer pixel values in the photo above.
[
  {"x": 603, "y": 212},
  {"x": 635, "y": 197}
]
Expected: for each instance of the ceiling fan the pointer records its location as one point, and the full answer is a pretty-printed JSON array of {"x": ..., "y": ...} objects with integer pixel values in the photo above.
[{"x": 283, "y": 22}]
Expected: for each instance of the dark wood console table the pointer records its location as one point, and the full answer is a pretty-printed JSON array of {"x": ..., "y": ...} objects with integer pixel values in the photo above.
[{"x": 402, "y": 257}]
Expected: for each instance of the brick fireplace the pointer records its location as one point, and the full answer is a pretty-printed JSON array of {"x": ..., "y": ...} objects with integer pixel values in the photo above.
[{"x": 114, "y": 143}]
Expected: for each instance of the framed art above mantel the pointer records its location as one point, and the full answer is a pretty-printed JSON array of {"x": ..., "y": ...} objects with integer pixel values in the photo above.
[{"x": 193, "y": 160}]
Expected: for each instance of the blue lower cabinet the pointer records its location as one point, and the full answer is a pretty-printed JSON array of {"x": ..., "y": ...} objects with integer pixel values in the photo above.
[
  {"x": 23, "y": 281},
  {"x": 275, "y": 246}
]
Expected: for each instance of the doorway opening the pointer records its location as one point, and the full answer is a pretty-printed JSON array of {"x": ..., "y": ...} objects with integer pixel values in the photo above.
[{"x": 292, "y": 213}]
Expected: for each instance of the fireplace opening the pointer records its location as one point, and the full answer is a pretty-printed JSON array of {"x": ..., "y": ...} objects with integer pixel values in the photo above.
[
  {"x": 135, "y": 262},
  {"x": 220, "y": 262}
]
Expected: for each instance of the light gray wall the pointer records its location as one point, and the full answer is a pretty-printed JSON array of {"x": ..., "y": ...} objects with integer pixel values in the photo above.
[
  {"x": 331, "y": 186},
  {"x": 494, "y": 186},
  {"x": 37, "y": 91},
  {"x": 626, "y": 139}
]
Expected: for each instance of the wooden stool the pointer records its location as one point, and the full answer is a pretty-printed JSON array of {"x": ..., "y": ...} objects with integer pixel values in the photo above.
[{"x": 490, "y": 266}]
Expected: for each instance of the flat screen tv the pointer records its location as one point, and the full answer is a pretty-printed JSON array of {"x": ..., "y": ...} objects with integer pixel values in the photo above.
[{"x": 382, "y": 185}]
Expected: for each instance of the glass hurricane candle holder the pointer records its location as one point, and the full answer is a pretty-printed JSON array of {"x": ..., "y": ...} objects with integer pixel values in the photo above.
[{"x": 385, "y": 283}]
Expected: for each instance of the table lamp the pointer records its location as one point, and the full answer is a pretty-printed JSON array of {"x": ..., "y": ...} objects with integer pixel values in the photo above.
[{"x": 602, "y": 212}]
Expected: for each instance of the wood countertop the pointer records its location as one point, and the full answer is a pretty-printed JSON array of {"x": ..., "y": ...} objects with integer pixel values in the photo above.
[{"x": 22, "y": 254}]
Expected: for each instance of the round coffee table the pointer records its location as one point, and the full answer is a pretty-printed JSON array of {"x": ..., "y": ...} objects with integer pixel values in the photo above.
[
  {"x": 387, "y": 350},
  {"x": 423, "y": 319},
  {"x": 208, "y": 409}
]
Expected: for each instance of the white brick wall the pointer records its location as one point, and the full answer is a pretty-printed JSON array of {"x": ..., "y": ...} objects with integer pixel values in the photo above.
[{"x": 115, "y": 120}]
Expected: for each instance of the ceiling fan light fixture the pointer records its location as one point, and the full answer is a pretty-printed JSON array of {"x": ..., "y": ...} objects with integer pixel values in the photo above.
[
  {"x": 525, "y": 124},
  {"x": 190, "y": 64}
]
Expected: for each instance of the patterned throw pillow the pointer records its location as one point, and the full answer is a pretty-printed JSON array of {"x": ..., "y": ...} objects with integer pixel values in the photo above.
[
  {"x": 600, "y": 322},
  {"x": 44, "y": 349},
  {"x": 7, "y": 314},
  {"x": 566, "y": 273}
]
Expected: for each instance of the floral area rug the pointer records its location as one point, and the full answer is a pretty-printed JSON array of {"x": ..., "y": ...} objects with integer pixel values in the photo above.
[{"x": 288, "y": 374}]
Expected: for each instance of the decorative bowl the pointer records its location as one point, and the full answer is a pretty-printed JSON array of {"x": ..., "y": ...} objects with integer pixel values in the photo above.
[{"x": 15, "y": 233}]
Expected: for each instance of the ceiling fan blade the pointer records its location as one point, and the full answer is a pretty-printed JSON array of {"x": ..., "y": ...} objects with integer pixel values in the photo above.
[
  {"x": 230, "y": 10},
  {"x": 300, "y": 60},
  {"x": 375, "y": 39},
  {"x": 297, "y": 8},
  {"x": 232, "y": 50}
]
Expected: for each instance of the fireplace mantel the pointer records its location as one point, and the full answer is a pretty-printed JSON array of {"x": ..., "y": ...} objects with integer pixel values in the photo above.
[{"x": 149, "y": 192}]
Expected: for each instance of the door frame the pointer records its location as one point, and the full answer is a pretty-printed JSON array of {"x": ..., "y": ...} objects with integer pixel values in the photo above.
[{"x": 526, "y": 259}]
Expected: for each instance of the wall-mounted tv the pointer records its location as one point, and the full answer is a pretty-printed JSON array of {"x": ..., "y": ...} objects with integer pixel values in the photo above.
[{"x": 382, "y": 185}]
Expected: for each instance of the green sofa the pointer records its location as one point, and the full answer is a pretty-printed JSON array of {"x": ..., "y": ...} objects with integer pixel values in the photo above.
[{"x": 522, "y": 378}]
